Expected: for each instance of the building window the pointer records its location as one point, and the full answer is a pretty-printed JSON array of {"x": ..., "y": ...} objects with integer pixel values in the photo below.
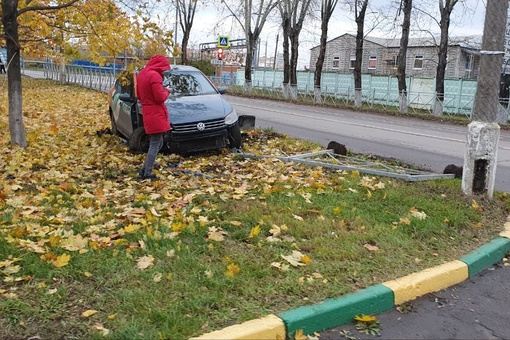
[
  {"x": 372, "y": 63},
  {"x": 418, "y": 62},
  {"x": 468, "y": 63},
  {"x": 352, "y": 64},
  {"x": 336, "y": 62}
]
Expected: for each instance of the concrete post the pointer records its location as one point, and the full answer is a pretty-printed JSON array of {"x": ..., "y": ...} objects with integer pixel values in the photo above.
[
  {"x": 480, "y": 158},
  {"x": 483, "y": 132}
]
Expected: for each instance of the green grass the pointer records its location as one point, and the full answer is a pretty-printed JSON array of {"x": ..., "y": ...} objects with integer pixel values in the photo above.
[{"x": 215, "y": 244}]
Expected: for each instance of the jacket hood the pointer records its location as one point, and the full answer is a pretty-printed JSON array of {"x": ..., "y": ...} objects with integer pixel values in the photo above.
[{"x": 158, "y": 63}]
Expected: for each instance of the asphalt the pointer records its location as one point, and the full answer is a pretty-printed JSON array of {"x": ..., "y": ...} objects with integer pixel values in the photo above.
[{"x": 462, "y": 299}]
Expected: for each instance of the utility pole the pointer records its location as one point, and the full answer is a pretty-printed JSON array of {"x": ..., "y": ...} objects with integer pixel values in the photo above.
[{"x": 483, "y": 131}]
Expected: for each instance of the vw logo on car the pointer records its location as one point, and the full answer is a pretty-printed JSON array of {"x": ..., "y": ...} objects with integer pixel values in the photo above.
[{"x": 201, "y": 126}]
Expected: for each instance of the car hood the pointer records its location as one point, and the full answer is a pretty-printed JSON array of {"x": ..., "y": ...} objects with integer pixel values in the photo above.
[{"x": 197, "y": 108}]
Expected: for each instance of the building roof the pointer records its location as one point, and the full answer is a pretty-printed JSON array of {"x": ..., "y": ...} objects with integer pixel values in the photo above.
[{"x": 469, "y": 42}]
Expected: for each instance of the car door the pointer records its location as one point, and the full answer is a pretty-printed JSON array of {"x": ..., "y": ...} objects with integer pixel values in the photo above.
[{"x": 122, "y": 109}]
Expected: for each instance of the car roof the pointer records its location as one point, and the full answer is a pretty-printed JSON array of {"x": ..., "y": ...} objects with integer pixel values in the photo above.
[{"x": 182, "y": 68}]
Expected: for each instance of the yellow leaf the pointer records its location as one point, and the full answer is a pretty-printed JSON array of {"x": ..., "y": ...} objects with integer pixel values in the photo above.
[
  {"x": 405, "y": 220},
  {"x": 157, "y": 277},
  {"x": 297, "y": 217},
  {"x": 61, "y": 260},
  {"x": 299, "y": 335},
  {"x": 232, "y": 269},
  {"x": 369, "y": 194},
  {"x": 145, "y": 262},
  {"x": 475, "y": 205},
  {"x": 216, "y": 234},
  {"x": 131, "y": 228},
  {"x": 254, "y": 231},
  {"x": 370, "y": 247},
  {"x": 306, "y": 260},
  {"x": 154, "y": 212},
  {"x": 112, "y": 316},
  {"x": 88, "y": 313},
  {"x": 418, "y": 214},
  {"x": 365, "y": 318}
]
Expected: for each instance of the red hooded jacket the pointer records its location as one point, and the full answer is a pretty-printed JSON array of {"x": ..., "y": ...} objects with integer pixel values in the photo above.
[{"x": 152, "y": 95}]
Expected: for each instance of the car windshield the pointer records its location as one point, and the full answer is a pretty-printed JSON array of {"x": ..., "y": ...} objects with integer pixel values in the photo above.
[{"x": 187, "y": 83}]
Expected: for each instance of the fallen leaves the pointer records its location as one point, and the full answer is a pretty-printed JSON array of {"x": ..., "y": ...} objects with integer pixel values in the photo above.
[
  {"x": 145, "y": 262},
  {"x": 297, "y": 259},
  {"x": 88, "y": 313}
]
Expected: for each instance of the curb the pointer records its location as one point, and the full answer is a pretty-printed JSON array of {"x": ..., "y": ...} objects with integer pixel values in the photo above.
[{"x": 372, "y": 300}]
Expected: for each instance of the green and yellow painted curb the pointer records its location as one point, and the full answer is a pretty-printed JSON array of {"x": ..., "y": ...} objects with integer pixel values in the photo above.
[{"x": 372, "y": 300}]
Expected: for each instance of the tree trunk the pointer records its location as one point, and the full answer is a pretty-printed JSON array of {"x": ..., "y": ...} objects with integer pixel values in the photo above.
[
  {"x": 327, "y": 8},
  {"x": 14, "y": 92},
  {"x": 250, "y": 50},
  {"x": 360, "y": 22},
  {"x": 184, "y": 46},
  {"x": 402, "y": 55},
  {"x": 294, "y": 47},
  {"x": 442, "y": 53},
  {"x": 402, "y": 101},
  {"x": 286, "y": 61},
  {"x": 317, "y": 94}
]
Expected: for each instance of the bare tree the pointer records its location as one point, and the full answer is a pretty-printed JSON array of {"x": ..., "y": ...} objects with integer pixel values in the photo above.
[
  {"x": 405, "y": 6},
  {"x": 359, "y": 7},
  {"x": 293, "y": 13},
  {"x": 327, "y": 8},
  {"x": 10, "y": 14},
  {"x": 187, "y": 10},
  {"x": 251, "y": 11},
  {"x": 445, "y": 10}
]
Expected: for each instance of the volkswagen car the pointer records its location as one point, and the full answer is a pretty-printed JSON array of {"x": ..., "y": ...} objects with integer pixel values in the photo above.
[{"x": 200, "y": 117}]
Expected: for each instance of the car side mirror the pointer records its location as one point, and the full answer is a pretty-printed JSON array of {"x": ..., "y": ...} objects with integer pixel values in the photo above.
[
  {"x": 125, "y": 97},
  {"x": 222, "y": 90}
]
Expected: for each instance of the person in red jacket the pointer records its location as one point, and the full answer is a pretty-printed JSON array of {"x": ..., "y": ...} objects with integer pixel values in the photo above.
[{"x": 152, "y": 95}]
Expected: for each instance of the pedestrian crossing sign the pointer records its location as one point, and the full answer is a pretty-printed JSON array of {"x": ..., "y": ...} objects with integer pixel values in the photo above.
[{"x": 223, "y": 41}]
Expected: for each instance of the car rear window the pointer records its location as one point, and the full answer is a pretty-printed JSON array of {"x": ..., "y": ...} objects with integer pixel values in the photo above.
[{"x": 188, "y": 83}]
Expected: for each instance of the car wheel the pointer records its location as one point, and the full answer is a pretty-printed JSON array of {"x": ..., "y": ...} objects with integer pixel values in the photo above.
[
  {"x": 139, "y": 141},
  {"x": 234, "y": 136},
  {"x": 115, "y": 132}
]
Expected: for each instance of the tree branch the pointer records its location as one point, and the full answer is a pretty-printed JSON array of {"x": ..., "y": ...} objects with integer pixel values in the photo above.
[{"x": 45, "y": 8}]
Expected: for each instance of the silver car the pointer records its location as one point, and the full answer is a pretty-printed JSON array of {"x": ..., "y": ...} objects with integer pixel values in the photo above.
[{"x": 200, "y": 117}]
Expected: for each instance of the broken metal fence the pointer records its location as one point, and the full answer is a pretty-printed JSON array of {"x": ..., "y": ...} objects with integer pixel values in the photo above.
[{"x": 328, "y": 159}]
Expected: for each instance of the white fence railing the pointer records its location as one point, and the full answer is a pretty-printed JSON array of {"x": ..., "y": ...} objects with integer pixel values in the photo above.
[{"x": 335, "y": 88}]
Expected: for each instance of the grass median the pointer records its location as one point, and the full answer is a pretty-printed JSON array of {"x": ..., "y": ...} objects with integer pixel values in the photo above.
[{"x": 88, "y": 251}]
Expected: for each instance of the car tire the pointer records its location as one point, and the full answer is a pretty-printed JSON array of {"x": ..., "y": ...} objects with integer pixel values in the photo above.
[
  {"x": 139, "y": 141},
  {"x": 115, "y": 131},
  {"x": 234, "y": 136}
]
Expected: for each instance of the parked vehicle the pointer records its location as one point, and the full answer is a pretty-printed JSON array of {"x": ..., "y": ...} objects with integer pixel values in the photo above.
[{"x": 200, "y": 117}]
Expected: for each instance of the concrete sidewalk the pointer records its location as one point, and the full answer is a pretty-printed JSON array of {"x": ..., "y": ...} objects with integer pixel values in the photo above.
[{"x": 372, "y": 300}]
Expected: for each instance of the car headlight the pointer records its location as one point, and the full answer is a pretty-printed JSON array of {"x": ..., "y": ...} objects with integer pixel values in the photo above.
[{"x": 231, "y": 118}]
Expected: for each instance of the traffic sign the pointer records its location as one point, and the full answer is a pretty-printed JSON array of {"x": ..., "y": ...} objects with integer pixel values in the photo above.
[
  {"x": 216, "y": 62},
  {"x": 223, "y": 41}
]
